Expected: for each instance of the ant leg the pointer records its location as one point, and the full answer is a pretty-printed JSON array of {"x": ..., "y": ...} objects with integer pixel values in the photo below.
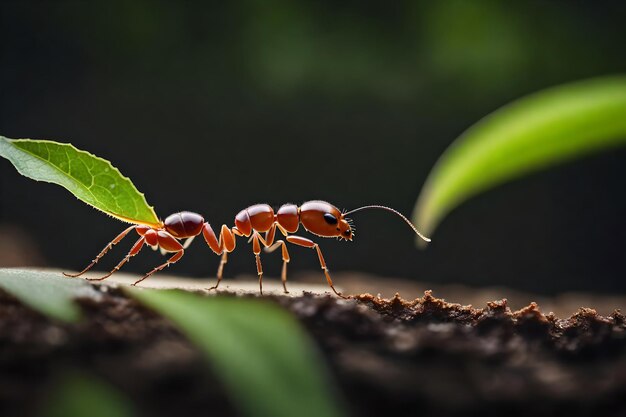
[
  {"x": 172, "y": 260},
  {"x": 256, "y": 248},
  {"x": 283, "y": 275},
  {"x": 227, "y": 238},
  {"x": 168, "y": 243},
  {"x": 133, "y": 251},
  {"x": 286, "y": 258},
  {"x": 188, "y": 242},
  {"x": 308, "y": 243},
  {"x": 282, "y": 229},
  {"x": 226, "y": 243},
  {"x": 220, "y": 270},
  {"x": 269, "y": 235},
  {"x": 210, "y": 238},
  {"x": 101, "y": 254}
]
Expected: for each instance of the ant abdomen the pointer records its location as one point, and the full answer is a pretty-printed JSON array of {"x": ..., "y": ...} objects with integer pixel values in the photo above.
[{"x": 184, "y": 224}]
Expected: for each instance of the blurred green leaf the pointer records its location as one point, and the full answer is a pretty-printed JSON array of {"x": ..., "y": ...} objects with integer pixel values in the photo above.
[
  {"x": 49, "y": 293},
  {"x": 266, "y": 360},
  {"x": 80, "y": 395},
  {"x": 534, "y": 132},
  {"x": 91, "y": 179}
]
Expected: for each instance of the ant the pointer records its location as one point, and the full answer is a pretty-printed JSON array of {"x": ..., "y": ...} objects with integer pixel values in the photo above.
[
  {"x": 317, "y": 217},
  {"x": 166, "y": 236}
]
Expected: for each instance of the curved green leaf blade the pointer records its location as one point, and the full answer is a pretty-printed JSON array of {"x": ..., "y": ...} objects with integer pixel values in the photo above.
[
  {"x": 534, "y": 132},
  {"x": 267, "y": 362},
  {"x": 90, "y": 178},
  {"x": 80, "y": 395},
  {"x": 46, "y": 292}
]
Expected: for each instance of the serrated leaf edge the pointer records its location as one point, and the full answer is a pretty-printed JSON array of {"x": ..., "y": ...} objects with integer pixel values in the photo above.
[{"x": 114, "y": 215}]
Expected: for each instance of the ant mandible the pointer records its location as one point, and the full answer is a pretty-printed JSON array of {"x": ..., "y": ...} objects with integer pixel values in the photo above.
[{"x": 317, "y": 217}]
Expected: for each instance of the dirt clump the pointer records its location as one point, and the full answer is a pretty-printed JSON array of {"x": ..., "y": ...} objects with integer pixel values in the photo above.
[{"x": 392, "y": 356}]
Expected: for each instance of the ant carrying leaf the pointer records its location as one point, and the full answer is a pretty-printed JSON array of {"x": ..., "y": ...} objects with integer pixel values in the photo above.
[{"x": 96, "y": 182}]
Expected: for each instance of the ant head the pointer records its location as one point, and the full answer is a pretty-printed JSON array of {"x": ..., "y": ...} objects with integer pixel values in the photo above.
[
  {"x": 324, "y": 219},
  {"x": 345, "y": 227}
]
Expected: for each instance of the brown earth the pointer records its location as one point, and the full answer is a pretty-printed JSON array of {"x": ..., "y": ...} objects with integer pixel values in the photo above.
[{"x": 421, "y": 357}]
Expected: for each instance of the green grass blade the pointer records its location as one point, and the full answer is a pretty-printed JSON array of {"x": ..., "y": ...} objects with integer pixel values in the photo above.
[
  {"x": 91, "y": 179},
  {"x": 265, "y": 359},
  {"x": 532, "y": 133},
  {"x": 80, "y": 395},
  {"x": 46, "y": 292}
]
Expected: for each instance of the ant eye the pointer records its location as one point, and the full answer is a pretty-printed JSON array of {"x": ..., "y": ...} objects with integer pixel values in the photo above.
[
  {"x": 347, "y": 233},
  {"x": 330, "y": 219}
]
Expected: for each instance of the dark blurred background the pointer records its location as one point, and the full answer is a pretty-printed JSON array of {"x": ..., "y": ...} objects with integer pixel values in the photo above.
[{"x": 213, "y": 107}]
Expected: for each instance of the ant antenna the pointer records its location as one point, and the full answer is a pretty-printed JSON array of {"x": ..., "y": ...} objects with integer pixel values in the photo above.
[{"x": 407, "y": 221}]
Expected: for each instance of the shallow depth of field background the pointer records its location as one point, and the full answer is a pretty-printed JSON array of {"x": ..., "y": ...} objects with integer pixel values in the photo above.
[{"x": 214, "y": 107}]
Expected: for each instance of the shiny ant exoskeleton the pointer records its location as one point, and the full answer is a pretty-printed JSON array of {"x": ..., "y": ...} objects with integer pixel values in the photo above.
[
  {"x": 317, "y": 217},
  {"x": 183, "y": 225}
]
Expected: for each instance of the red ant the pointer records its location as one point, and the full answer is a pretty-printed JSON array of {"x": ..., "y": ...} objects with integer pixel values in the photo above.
[
  {"x": 183, "y": 225},
  {"x": 317, "y": 217}
]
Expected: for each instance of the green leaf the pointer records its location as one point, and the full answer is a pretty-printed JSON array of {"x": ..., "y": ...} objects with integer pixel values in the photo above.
[
  {"x": 79, "y": 395},
  {"x": 265, "y": 359},
  {"x": 91, "y": 179},
  {"x": 46, "y": 292},
  {"x": 532, "y": 133}
]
